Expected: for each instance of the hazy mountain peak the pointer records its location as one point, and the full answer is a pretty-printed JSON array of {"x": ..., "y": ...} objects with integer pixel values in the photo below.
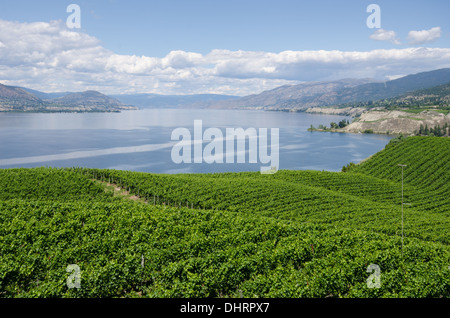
[
  {"x": 344, "y": 91},
  {"x": 22, "y": 99}
]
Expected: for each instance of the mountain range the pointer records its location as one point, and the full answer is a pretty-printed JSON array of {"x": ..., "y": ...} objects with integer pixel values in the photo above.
[
  {"x": 344, "y": 92},
  {"x": 433, "y": 96},
  {"x": 337, "y": 93},
  {"x": 26, "y": 100},
  {"x": 311, "y": 94},
  {"x": 15, "y": 97}
]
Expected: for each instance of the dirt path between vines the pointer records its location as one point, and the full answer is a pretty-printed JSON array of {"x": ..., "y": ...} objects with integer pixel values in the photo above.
[
  {"x": 121, "y": 192},
  {"x": 118, "y": 191}
]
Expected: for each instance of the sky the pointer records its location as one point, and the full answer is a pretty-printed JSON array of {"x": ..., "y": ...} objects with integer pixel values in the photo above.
[{"x": 233, "y": 47}]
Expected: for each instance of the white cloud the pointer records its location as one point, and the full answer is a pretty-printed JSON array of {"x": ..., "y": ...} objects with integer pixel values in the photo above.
[
  {"x": 385, "y": 35},
  {"x": 394, "y": 77},
  {"x": 424, "y": 36},
  {"x": 49, "y": 57}
]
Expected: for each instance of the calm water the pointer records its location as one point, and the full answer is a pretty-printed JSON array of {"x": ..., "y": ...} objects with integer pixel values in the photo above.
[{"x": 141, "y": 140}]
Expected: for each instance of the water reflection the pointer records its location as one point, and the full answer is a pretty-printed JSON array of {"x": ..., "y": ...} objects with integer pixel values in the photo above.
[{"x": 141, "y": 140}]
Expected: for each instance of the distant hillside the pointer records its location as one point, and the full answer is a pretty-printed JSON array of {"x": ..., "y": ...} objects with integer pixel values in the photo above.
[
  {"x": 43, "y": 95},
  {"x": 337, "y": 93},
  {"x": 15, "y": 98},
  {"x": 377, "y": 91},
  {"x": 88, "y": 100},
  {"x": 294, "y": 97},
  {"x": 396, "y": 122},
  {"x": 422, "y": 88},
  {"x": 172, "y": 101},
  {"x": 25, "y": 100},
  {"x": 438, "y": 96}
]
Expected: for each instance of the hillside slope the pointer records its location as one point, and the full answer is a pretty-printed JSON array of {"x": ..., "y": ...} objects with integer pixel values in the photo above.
[
  {"x": 353, "y": 92},
  {"x": 427, "y": 160},
  {"x": 290, "y": 234},
  {"x": 14, "y": 98},
  {"x": 398, "y": 87},
  {"x": 397, "y": 122},
  {"x": 25, "y": 100},
  {"x": 301, "y": 96},
  {"x": 436, "y": 96},
  {"x": 88, "y": 100}
]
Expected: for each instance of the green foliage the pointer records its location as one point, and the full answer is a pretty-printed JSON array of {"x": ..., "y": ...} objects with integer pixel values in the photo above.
[
  {"x": 348, "y": 167},
  {"x": 343, "y": 123},
  {"x": 427, "y": 159},
  {"x": 333, "y": 125},
  {"x": 433, "y": 131},
  {"x": 435, "y": 98},
  {"x": 47, "y": 183},
  {"x": 290, "y": 234},
  {"x": 394, "y": 141}
]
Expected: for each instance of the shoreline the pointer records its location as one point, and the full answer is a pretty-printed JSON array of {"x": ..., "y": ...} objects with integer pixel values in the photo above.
[
  {"x": 395, "y": 122},
  {"x": 332, "y": 130}
]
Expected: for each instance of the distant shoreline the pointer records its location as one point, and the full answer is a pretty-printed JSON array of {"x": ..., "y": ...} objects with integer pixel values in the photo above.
[
  {"x": 395, "y": 122},
  {"x": 341, "y": 130}
]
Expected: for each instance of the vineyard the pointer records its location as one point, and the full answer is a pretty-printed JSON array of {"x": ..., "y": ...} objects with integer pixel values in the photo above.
[{"x": 291, "y": 234}]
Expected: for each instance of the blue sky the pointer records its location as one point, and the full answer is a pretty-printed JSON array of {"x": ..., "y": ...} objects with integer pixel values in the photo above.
[{"x": 177, "y": 42}]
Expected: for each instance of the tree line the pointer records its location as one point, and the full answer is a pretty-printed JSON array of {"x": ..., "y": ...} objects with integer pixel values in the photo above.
[{"x": 433, "y": 131}]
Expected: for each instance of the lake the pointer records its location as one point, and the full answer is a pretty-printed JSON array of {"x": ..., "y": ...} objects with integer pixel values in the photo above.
[{"x": 141, "y": 140}]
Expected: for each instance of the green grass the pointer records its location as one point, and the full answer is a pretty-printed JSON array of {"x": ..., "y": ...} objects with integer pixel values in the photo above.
[{"x": 290, "y": 234}]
